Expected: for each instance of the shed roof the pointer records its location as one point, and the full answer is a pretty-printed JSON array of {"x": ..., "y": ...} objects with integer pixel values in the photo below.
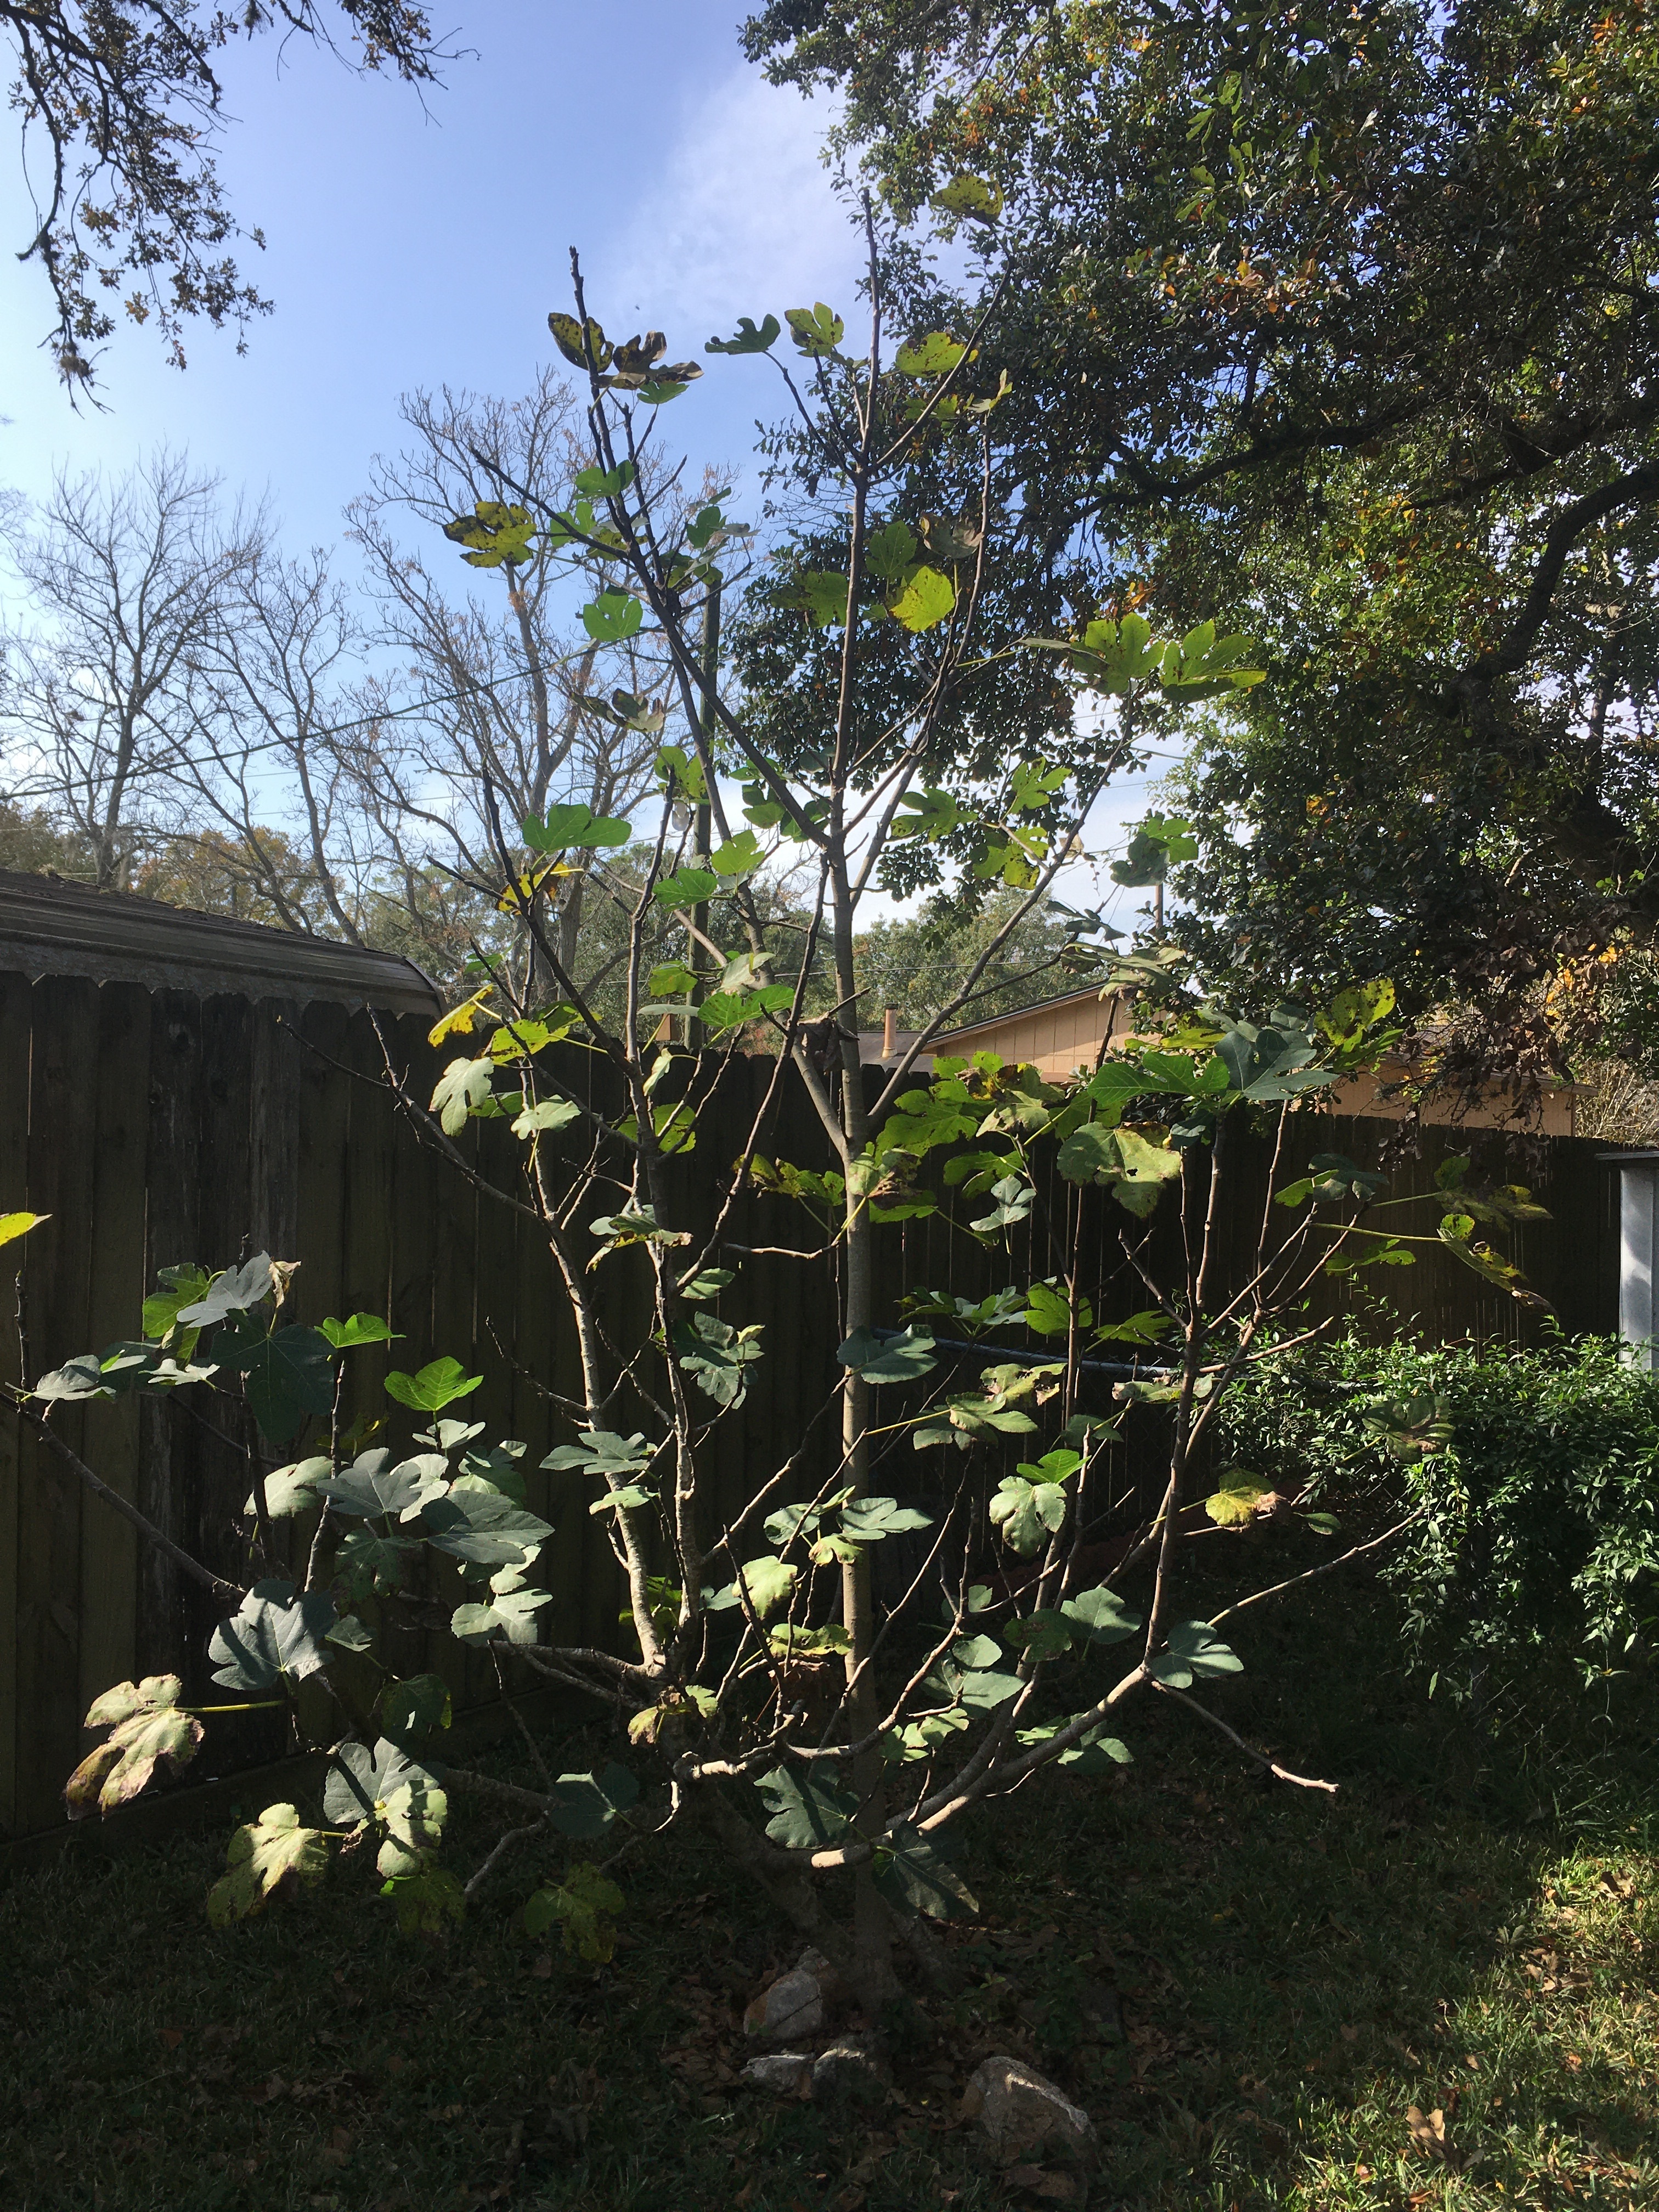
[{"x": 50, "y": 927}]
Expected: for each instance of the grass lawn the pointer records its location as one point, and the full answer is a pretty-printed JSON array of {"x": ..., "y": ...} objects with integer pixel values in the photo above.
[{"x": 1471, "y": 1928}]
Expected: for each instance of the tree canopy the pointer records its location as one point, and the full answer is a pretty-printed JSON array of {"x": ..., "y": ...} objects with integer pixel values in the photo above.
[{"x": 1342, "y": 320}]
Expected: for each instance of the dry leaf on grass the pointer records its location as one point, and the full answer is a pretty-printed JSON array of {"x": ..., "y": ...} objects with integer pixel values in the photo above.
[{"x": 1429, "y": 2133}]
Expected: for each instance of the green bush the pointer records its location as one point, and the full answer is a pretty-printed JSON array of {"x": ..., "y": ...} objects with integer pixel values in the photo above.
[{"x": 1536, "y": 1475}]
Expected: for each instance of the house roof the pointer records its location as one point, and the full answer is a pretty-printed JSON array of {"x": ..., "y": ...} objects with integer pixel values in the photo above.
[{"x": 52, "y": 926}]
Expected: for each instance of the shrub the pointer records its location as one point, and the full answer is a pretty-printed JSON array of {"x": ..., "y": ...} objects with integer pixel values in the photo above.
[{"x": 1533, "y": 1477}]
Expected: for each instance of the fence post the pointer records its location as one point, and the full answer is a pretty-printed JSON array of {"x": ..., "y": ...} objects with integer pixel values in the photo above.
[{"x": 1638, "y": 1250}]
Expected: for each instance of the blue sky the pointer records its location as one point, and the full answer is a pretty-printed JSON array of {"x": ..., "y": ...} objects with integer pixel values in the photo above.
[{"x": 408, "y": 246}]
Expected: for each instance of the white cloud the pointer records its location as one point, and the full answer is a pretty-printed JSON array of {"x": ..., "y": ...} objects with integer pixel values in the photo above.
[{"x": 739, "y": 219}]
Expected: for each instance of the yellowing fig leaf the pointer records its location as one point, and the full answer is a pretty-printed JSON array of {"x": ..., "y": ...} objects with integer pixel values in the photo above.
[
  {"x": 458, "y": 1021},
  {"x": 1236, "y": 1502},
  {"x": 19, "y": 1224},
  {"x": 976, "y": 198},
  {"x": 270, "y": 1852},
  {"x": 823, "y": 597},
  {"x": 584, "y": 1905},
  {"x": 567, "y": 336},
  {"x": 816, "y": 330},
  {"x": 936, "y": 354},
  {"x": 149, "y": 1728},
  {"x": 924, "y": 602},
  {"x": 425, "y": 1902}
]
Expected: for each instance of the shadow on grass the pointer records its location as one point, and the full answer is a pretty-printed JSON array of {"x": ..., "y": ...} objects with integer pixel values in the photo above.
[{"x": 1470, "y": 1929}]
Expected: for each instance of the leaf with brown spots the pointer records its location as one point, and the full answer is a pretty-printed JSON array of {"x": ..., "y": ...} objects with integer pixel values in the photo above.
[{"x": 148, "y": 1730}]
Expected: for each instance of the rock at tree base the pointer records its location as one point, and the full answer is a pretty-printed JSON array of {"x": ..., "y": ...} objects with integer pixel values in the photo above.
[
  {"x": 785, "y": 2073},
  {"x": 850, "y": 2072},
  {"x": 831, "y": 1988},
  {"x": 1018, "y": 2111},
  {"x": 791, "y": 2006}
]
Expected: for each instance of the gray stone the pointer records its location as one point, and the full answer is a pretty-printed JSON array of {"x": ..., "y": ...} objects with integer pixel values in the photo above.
[
  {"x": 791, "y": 2006},
  {"x": 785, "y": 2073},
  {"x": 831, "y": 1988},
  {"x": 850, "y": 2071},
  {"x": 1019, "y": 2112}
]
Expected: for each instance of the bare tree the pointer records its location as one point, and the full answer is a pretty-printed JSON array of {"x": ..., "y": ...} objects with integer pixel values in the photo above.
[
  {"x": 129, "y": 580},
  {"x": 495, "y": 702},
  {"x": 258, "y": 734}
]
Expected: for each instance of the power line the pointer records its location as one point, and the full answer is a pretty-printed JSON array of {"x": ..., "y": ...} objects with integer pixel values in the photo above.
[{"x": 391, "y": 713}]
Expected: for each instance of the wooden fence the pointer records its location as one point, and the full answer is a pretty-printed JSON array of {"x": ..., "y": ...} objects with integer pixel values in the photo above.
[{"x": 158, "y": 1127}]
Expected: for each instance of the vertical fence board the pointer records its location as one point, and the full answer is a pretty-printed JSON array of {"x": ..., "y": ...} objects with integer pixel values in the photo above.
[
  {"x": 224, "y": 1165},
  {"x": 494, "y": 1334},
  {"x": 323, "y": 1112},
  {"x": 63, "y": 1122},
  {"x": 555, "y": 1354},
  {"x": 109, "y": 1557},
  {"x": 454, "y": 1308},
  {"x": 415, "y": 1182},
  {"x": 168, "y": 1438},
  {"x": 324, "y": 1093},
  {"x": 14, "y": 1025},
  {"x": 366, "y": 1270},
  {"x": 274, "y": 1130},
  {"x": 274, "y": 1183}
]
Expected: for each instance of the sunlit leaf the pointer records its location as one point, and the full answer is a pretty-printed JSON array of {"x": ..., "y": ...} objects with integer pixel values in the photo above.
[
  {"x": 438, "y": 1384},
  {"x": 1195, "y": 1653},
  {"x": 148, "y": 1730},
  {"x": 612, "y": 616},
  {"x": 362, "y": 1328},
  {"x": 371, "y": 1487},
  {"x": 277, "y": 1633},
  {"x": 816, "y": 329},
  {"x": 275, "y": 1850},
  {"x": 935, "y": 355},
  {"x": 460, "y": 1090},
  {"x": 925, "y": 600},
  {"x": 973, "y": 196}
]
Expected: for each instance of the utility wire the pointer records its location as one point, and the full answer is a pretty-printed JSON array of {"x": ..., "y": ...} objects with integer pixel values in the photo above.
[{"x": 392, "y": 713}]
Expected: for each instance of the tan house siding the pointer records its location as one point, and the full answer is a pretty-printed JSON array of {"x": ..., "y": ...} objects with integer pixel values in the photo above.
[
  {"x": 1360, "y": 1095},
  {"x": 1056, "y": 1038},
  {"x": 1063, "y": 1034}
]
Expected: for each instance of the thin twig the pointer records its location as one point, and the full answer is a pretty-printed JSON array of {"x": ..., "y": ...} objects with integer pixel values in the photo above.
[
  {"x": 146, "y": 1529},
  {"x": 504, "y": 1845},
  {"x": 1280, "y": 1773},
  {"x": 1325, "y": 1567}
]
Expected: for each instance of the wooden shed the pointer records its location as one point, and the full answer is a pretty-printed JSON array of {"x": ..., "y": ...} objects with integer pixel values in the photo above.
[{"x": 50, "y": 927}]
